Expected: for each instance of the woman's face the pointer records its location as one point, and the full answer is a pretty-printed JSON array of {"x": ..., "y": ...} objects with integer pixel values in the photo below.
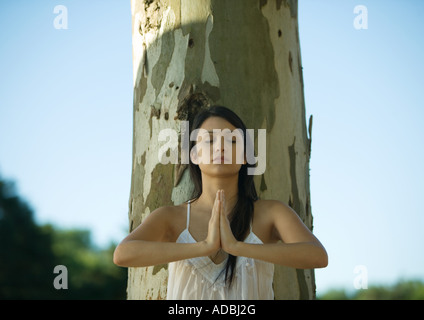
[{"x": 219, "y": 147}]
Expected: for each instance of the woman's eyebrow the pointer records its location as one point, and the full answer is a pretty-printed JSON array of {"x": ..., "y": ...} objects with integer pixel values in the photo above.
[{"x": 220, "y": 130}]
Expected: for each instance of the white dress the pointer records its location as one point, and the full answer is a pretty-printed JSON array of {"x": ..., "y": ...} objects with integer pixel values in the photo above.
[{"x": 201, "y": 279}]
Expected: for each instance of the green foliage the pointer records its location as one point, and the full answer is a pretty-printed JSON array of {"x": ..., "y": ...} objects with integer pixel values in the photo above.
[
  {"x": 402, "y": 290},
  {"x": 91, "y": 273},
  {"x": 29, "y": 253}
]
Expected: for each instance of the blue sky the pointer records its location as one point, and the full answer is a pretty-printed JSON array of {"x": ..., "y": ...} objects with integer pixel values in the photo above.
[
  {"x": 66, "y": 125},
  {"x": 364, "y": 90}
]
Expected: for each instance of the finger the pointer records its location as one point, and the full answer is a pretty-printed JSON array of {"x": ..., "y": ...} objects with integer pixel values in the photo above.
[
  {"x": 222, "y": 207},
  {"x": 215, "y": 211},
  {"x": 217, "y": 197},
  {"x": 216, "y": 206}
]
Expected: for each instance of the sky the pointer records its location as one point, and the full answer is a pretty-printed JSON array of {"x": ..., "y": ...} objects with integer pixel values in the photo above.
[{"x": 66, "y": 126}]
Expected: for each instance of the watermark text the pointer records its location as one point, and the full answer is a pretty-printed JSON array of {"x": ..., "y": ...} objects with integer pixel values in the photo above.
[{"x": 209, "y": 146}]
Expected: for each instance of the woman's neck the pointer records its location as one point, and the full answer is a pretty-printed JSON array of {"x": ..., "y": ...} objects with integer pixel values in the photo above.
[{"x": 210, "y": 185}]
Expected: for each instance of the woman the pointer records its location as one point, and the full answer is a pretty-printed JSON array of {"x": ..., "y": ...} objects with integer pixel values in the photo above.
[{"x": 224, "y": 242}]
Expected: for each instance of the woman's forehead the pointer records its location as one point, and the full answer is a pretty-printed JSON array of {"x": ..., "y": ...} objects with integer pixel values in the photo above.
[{"x": 216, "y": 123}]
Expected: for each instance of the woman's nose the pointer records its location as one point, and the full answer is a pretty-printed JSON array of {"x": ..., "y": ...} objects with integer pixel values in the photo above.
[{"x": 219, "y": 144}]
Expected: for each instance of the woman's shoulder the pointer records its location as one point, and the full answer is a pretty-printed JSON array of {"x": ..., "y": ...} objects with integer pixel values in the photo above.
[
  {"x": 273, "y": 208},
  {"x": 172, "y": 211},
  {"x": 272, "y": 213},
  {"x": 270, "y": 205},
  {"x": 173, "y": 217},
  {"x": 264, "y": 219}
]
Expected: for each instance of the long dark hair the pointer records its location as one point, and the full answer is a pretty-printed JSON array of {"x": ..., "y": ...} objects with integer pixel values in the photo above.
[{"x": 242, "y": 214}]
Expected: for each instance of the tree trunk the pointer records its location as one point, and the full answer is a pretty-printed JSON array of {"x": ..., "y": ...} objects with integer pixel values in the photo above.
[{"x": 243, "y": 54}]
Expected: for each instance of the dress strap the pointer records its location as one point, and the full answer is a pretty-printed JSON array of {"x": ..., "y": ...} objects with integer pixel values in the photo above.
[{"x": 188, "y": 215}]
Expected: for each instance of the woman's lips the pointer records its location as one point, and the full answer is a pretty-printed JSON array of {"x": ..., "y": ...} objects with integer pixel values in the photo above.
[{"x": 217, "y": 159}]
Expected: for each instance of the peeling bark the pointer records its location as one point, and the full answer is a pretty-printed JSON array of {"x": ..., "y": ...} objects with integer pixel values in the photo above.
[{"x": 244, "y": 54}]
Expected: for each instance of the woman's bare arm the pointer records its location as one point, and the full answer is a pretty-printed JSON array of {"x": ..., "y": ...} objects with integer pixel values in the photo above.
[
  {"x": 153, "y": 243},
  {"x": 141, "y": 253},
  {"x": 300, "y": 255},
  {"x": 299, "y": 247}
]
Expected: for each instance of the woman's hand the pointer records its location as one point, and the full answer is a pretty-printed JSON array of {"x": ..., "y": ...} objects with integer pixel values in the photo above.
[
  {"x": 213, "y": 240},
  {"x": 228, "y": 241},
  {"x": 220, "y": 234}
]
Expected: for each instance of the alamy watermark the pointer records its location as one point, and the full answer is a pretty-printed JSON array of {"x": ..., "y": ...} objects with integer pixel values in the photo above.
[
  {"x": 360, "y": 22},
  {"x": 61, "y": 280},
  {"x": 361, "y": 280},
  {"x": 61, "y": 19},
  {"x": 209, "y": 143}
]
